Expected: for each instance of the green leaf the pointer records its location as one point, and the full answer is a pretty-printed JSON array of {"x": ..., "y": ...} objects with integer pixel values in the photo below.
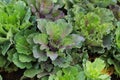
[
  {"x": 46, "y": 66},
  {"x": 19, "y": 64},
  {"x": 107, "y": 41},
  {"x": 116, "y": 65},
  {"x": 42, "y": 74},
  {"x": 1, "y": 77},
  {"x": 46, "y": 6},
  {"x": 10, "y": 54},
  {"x": 2, "y": 40},
  {"x": 25, "y": 25},
  {"x": 78, "y": 40},
  {"x": 117, "y": 33},
  {"x": 44, "y": 78},
  {"x": 10, "y": 34},
  {"x": 59, "y": 29},
  {"x": 51, "y": 77},
  {"x": 81, "y": 76},
  {"x": 27, "y": 16},
  {"x": 41, "y": 39},
  {"x": 41, "y": 25},
  {"x": 104, "y": 3},
  {"x": 53, "y": 56},
  {"x": 26, "y": 58},
  {"x": 39, "y": 54},
  {"x": 67, "y": 42},
  {"x": 54, "y": 1},
  {"x": 104, "y": 77},
  {"x": 21, "y": 44},
  {"x": 31, "y": 72},
  {"x": 6, "y": 47},
  {"x": 65, "y": 28},
  {"x": 53, "y": 30},
  {"x": 30, "y": 38},
  {"x": 20, "y": 7},
  {"x": 93, "y": 70},
  {"x": 63, "y": 61},
  {"x": 2, "y": 31},
  {"x": 103, "y": 12},
  {"x": 3, "y": 61},
  {"x": 116, "y": 55},
  {"x": 70, "y": 73}
]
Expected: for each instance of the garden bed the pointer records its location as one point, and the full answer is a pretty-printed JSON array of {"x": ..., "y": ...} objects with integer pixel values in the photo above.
[{"x": 59, "y": 39}]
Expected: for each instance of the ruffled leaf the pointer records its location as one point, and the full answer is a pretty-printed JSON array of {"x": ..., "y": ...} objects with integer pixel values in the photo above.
[
  {"x": 31, "y": 72},
  {"x": 3, "y": 61},
  {"x": 63, "y": 61},
  {"x": 26, "y": 58},
  {"x": 41, "y": 25},
  {"x": 39, "y": 54},
  {"x": 65, "y": 28},
  {"x": 53, "y": 56},
  {"x": 22, "y": 45},
  {"x": 41, "y": 39},
  {"x": 19, "y": 64}
]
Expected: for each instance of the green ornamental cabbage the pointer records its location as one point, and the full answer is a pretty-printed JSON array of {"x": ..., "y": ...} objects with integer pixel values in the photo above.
[
  {"x": 93, "y": 70},
  {"x": 54, "y": 41},
  {"x": 14, "y": 16},
  {"x": 94, "y": 26}
]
